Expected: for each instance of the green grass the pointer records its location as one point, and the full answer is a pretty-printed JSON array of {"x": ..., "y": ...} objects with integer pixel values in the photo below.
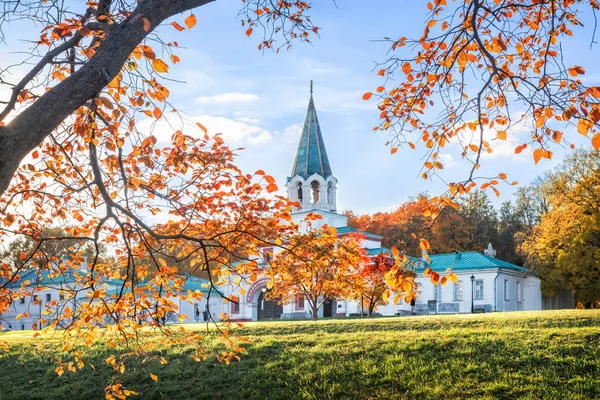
[{"x": 553, "y": 355}]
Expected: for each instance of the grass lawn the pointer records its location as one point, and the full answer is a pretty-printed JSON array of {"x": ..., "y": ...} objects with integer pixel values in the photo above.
[{"x": 552, "y": 355}]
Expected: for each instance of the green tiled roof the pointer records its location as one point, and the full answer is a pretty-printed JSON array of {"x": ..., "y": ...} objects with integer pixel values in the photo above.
[
  {"x": 471, "y": 260},
  {"x": 347, "y": 229},
  {"x": 311, "y": 157}
]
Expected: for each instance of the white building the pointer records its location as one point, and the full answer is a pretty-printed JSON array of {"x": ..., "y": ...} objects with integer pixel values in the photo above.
[{"x": 46, "y": 295}]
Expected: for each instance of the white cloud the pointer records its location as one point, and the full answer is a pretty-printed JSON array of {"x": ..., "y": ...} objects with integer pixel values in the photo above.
[
  {"x": 235, "y": 132},
  {"x": 293, "y": 131},
  {"x": 228, "y": 98},
  {"x": 447, "y": 160}
]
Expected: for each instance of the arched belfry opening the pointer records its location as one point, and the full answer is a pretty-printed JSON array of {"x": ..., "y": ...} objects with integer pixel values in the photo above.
[
  {"x": 315, "y": 192},
  {"x": 300, "y": 192},
  {"x": 330, "y": 193}
]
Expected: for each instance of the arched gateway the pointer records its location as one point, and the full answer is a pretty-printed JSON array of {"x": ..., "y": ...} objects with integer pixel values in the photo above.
[{"x": 262, "y": 309}]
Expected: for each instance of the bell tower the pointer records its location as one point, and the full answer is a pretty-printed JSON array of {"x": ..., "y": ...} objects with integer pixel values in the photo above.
[{"x": 312, "y": 183}]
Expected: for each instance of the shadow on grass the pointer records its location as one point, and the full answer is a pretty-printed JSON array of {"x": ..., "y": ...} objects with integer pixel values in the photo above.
[{"x": 510, "y": 357}]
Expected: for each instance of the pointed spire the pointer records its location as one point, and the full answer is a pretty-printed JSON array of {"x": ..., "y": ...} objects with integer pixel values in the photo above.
[{"x": 311, "y": 156}]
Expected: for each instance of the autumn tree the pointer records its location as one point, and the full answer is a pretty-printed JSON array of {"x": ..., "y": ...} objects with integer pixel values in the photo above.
[
  {"x": 72, "y": 154},
  {"x": 371, "y": 287},
  {"x": 564, "y": 249},
  {"x": 479, "y": 73},
  {"x": 316, "y": 266}
]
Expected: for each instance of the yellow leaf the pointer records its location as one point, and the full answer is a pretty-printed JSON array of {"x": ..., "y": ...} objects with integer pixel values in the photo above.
[
  {"x": 452, "y": 276},
  {"x": 501, "y": 135},
  {"x": 159, "y": 65},
  {"x": 190, "y": 21},
  {"x": 424, "y": 244},
  {"x": 583, "y": 126},
  {"x": 154, "y": 377}
]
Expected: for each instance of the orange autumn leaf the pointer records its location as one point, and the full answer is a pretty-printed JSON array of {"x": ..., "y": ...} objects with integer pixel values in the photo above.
[
  {"x": 154, "y": 377},
  {"x": 406, "y": 68},
  {"x": 537, "y": 155},
  {"x": 190, "y": 21},
  {"x": 501, "y": 135},
  {"x": 147, "y": 24},
  {"x": 202, "y": 127},
  {"x": 367, "y": 96},
  {"x": 596, "y": 141},
  {"x": 576, "y": 70},
  {"x": 177, "y": 26},
  {"x": 424, "y": 244},
  {"x": 248, "y": 31}
]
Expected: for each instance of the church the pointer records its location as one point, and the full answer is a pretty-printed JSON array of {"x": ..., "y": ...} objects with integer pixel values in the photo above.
[{"x": 495, "y": 285}]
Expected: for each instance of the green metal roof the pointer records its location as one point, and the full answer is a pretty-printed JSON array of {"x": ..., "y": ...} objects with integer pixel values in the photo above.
[
  {"x": 347, "y": 229},
  {"x": 464, "y": 261},
  {"x": 311, "y": 157}
]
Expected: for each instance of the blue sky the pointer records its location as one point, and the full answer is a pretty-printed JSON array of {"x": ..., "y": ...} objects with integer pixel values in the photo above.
[{"x": 258, "y": 100}]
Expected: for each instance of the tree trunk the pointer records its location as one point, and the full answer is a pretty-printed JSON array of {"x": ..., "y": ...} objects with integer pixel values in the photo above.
[
  {"x": 371, "y": 307},
  {"x": 314, "y": 310},
  {"x": 29, "y": 128}
]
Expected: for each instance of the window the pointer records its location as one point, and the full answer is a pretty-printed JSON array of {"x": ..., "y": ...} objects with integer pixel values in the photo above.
[
  {"x": 300, "y": 304},
  {"x": 299, "y": 186},
  {"x": 437, "y": 292},
  {"x": 458, "y": 291},
  {"x": 48, "y": 297},
  {"x": 506, "y": 290},
  {"x": 235, "y": 308},
  {"x": 479, "y": 289},
  {"x": 36, "y": 298},
  {"x": 519, "y": 292},
  {"x": 22, "y": 300}
]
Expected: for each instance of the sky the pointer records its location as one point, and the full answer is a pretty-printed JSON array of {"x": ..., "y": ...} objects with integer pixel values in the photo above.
[{"x": 258, "y": 100}]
